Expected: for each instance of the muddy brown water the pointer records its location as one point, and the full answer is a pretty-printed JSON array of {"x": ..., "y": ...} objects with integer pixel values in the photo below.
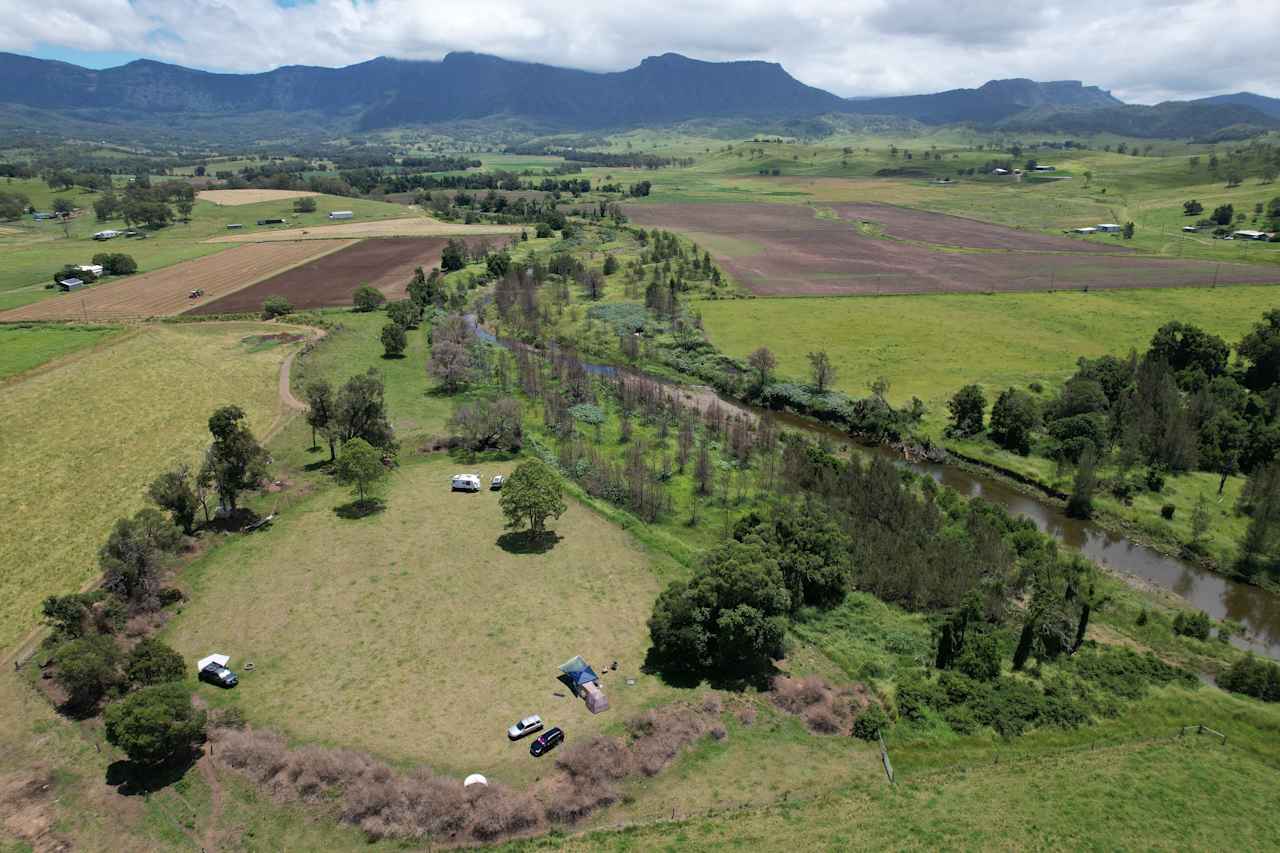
[{"x": 1221, "y": 597}]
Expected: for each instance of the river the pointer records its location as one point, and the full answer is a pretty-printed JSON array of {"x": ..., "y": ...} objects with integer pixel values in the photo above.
[{"x": 1222, "y": 598}]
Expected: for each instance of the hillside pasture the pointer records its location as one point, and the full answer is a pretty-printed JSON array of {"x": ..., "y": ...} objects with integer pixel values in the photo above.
[
  {"x": 235, "y": 198},
  {"x": 386, "y": 264},
  {"x": 25, "y": 347},
  {"x": 803, "y": 254},
  {"x": 83, "y": 439},
  {"x": 427, "y": 618},
  {"x": 166, "y": 292},
  {"x": 418, "y": 226}
]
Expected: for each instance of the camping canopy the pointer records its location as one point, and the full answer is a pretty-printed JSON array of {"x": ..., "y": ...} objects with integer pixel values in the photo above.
[{"x": 579, "y": 672}]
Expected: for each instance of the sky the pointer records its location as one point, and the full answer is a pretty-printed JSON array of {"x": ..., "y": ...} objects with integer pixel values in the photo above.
[{"x": 1143, "y": 51}]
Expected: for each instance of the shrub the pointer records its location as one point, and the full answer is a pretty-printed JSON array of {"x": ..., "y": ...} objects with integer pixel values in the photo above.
[
  {"x": 868, "y": 724},
  {"x": 1155, "y": 480},
  {"x": 1253, "y": 677},
  {"x": 155, "y": 724},
  {"x": 153, "y": 662},
  {"x": 980, "y": 658},
  {"x": 915, "y": 694},
  {"x": 1197, "y": 625},
  {"x": 394, "y": 340},
  {"x": 367, "y": 298},
  {"x": 962, "y": 719},
  {"x": 1013, "y": 707},
  {"x": 276, "y": 306},
  {"x": 1167, "y": 511}
]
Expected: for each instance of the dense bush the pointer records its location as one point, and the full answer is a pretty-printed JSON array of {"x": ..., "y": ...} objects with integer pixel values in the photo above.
[
  {"x": 1254, "y": 677},
  {"x": 87, "y": 668},
  {"x": 276, "y": 306},
  {"x": 367, "y": 298},
  {"x": 155, "y": 724},
  {"x": 1197, "y": 625},
  {"x": 152, "y": 662},
  {"x": 868, "y": 724}
]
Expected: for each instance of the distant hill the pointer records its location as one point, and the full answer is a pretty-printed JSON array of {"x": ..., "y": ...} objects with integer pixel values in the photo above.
[
  {"x": 388, "y": 92},
  {"x": 987, "y": 104},
  {"x": 1261, "y": 103},
  {"x": 181, "y": 105},
  {"x": 1169, "y": 120}
]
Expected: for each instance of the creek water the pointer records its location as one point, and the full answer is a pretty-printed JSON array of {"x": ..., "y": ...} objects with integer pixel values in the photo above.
[{"x": 1221, "y": 597}]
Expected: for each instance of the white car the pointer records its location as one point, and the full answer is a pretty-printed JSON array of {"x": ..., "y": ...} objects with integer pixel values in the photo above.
[
  {"x": 466, "y": 482},
  {"x": 496, "y": 483},
  {"x": 527, "y": 726}
]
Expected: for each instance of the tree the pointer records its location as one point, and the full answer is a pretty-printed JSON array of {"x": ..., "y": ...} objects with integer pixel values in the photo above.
[
  {"x": 360, "y": 466},
  {"x": 155, "y": 724},
  {"x": 728, "y": 618},
  {"x": 530, "y": 495},
  {"x": 394, "y": 340},
  {"x": 610, "y": 265},
  {"x": 968, "y": 408},
  {"x": 67, "y": 615},
  {"x": 87, "y": 668},
  {"x": 1192, "y": 208},
  {"x": 184, "y": 209},
  {"x": 1013, "y": 417},
  {"x": 811, "y": 549},
  {"x": 1260, "y": 349},
  {"x": 498, "y": 264},
  {"x": 367, "y": 298},
  {"x": 360, "y": 411},
  {"x": 321, "y": 412},
  {"x": 453, "y": 360},
  {"x": 1200, "y": 520},
  {"x": 454, "y": 255},
  {"x": 116, "y": 263},
  {"x": 235, "y": 462},
  {"x": 405, "y": 313},
  {"x": 276, "y": 306},
  {"x": 173, "y": 491},
  {"x": 1128, "y": 231},
  {"x": 152, "y": 662},
  {"x": 486, "y": 424},
  {"x": 821, "y": 371},
  {"x": 63, "y": 206},
  {"x": 306, "y": 204},
  {"x": 762, "y": 362},
  {"x": 134, "y": 552},
  {"x": 1080, "y": 504},
  {"x": 1223, "y": 214}
]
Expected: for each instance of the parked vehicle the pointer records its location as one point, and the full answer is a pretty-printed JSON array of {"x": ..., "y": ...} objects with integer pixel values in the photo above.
[
  {"x": 217, "y": 674},
  {"x": 525, "y": 727},
  {"x": 496, "y": 483},
  {"x": 547, "y": 741},
  {"x": 197, "y": 293},
  {"x": 466, "y": 482}
]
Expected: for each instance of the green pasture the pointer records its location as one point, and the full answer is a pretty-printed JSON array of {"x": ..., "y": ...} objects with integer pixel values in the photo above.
[{"x": 27, "y": 346}]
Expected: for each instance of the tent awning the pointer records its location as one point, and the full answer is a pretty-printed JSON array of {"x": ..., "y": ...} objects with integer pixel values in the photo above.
[{"x": 220, "y": 660}]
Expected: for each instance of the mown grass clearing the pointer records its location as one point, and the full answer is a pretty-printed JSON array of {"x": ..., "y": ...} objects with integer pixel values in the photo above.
[
  {"x": 83, "y": 439},
  {"x": 25, "y": 347},
  {"x": 425, "y": 618}
]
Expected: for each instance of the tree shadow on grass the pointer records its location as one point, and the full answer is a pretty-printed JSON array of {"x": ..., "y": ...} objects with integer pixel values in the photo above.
[
  {"x": 360, "y": 509},
  {"x": 318, "y": 465},
  {"x": 131, "y": 779},
  {"x": 529, "y": 543},
  {"x": 673, "y": 675},
  {"x": 393, "y": 356}
]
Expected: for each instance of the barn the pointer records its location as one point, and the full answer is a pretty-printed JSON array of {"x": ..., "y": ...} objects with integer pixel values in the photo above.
[{"x": 69, "y": 284}]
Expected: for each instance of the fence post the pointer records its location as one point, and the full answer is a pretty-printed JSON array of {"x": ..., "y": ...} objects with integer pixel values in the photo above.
[{"x": 884, "y": 757}]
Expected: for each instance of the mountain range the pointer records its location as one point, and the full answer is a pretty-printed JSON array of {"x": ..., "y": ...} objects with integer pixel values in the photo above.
[{"x": 383, "y": 93}]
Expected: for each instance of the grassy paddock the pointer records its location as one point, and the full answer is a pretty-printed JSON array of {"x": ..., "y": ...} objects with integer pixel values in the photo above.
[
  {"x": 82, "y": 440},
  {"x": 445, "y": 632},
  {"x": 28, "y": 346}
]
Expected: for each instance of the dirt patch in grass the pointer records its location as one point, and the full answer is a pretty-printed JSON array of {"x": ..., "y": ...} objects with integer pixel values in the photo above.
[
  {"x": 235, "y": 198},
  {"x": 386, "y": 264},
  {"x": 804, "y": 254},
  {"x": 166, "y": 292}
]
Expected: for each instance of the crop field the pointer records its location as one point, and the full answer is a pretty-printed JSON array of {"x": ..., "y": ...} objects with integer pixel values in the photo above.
[
  {"x": 427, "y": 618},
  {"x": 167, "y": 291},
  {"x": 803, "y": 254},
  {"x": 419, "y": 226},
  {"x": 233, "y": 198},
  {"x": 24, "y": 347},
  {"x": 83, "y": 438},
  {"x": 386, "y": 264}
]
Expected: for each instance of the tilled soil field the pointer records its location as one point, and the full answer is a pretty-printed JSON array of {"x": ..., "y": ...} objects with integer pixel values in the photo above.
[
  {"x": 802, "y": 255},
  {"x": 386, "y": 264},
  {"x": 167, "y": 291}
]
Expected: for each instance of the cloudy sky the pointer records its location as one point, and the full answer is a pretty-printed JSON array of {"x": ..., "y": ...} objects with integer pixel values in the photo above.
[{"x": 1143, "y": 50}]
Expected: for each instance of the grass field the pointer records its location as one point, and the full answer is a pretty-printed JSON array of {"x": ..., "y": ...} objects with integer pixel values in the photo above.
[
  {"x": 234, "y": 198},
  {"x": 25, "y": 347},
  {"x": 82, "y": 440},
  {"x": 450, "y": 632}
]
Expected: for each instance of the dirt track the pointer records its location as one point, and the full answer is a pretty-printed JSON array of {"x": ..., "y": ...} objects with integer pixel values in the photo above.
[
  {"x": 166, "y": 292},
  {"x": 417, "y": 226},
  {"x": 386, "y": 264},
  {"x": 802, "y": 255}
]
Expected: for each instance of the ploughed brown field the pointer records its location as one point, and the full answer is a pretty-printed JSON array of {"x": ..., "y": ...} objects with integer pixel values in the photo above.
[
  {"x": 167, "y": 291},
  {"x": 786, "y": 250},
  {"x": 385, "y": 263}
]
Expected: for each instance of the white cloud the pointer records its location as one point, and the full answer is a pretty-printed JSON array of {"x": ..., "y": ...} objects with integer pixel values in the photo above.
[{"x": 1145, "y": 50}]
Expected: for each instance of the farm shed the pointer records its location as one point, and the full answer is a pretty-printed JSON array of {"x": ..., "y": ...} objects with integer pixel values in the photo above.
[
  {"x": 1109, "y": 228},
  {"x": 341, "y": 214},
  {"x": 106, "y": 235},
  {"x": 1251, "y": 235},
  {"x": 999, "y": 171},
  {"x": 69, "y": 284},
  {"x": 234, "y": 225},
  {"x": 1086, "y": 230},
  {"x": 272, "y": 221},
  {"x": 1191, "y": 229}
]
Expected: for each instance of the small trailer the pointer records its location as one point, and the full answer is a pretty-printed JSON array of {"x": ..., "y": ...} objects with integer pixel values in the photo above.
[
  {"x": 466, "y": 483},
  {"x": 106, "y": 235},
  {"x": 341, "y": 214}
]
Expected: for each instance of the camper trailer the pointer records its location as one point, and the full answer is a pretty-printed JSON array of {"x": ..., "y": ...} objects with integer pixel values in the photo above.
[
  {"x": 466, "y": 482},
  {"x": 341, "y": 214}
]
